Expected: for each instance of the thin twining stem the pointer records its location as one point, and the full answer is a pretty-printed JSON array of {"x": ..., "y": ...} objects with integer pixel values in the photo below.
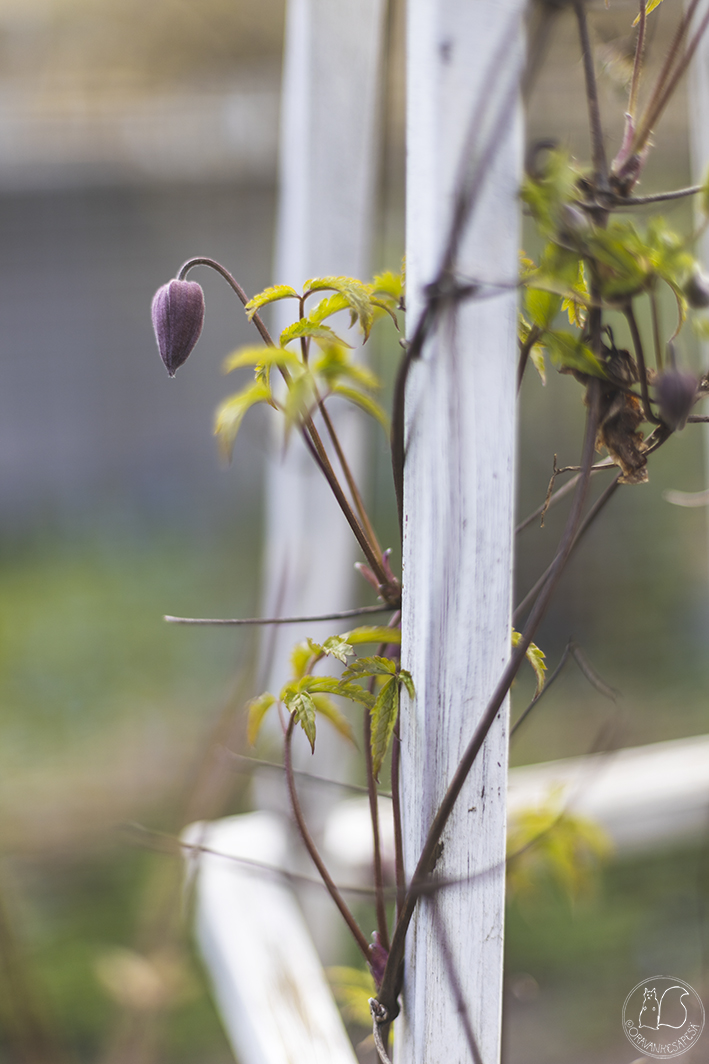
[
  {"x": 638, "y": 62},
  {"x": 620, "y": 202},
  {"x": 640, "y": 358},
  {"x": 598, "y": 151},
  {"x": 549, "y": 682},
  {"x": 391, "y": 982},
  {"x": 570, "y": 650},
  {"x": 312, "y": 848},
  {"x": 309, "y": 777},
  {"x": 340, "y": 615},
  {"x": 583, "y": 528},
  {"x": 461, "y": 1005},
  {"x": 310, "y": 433},
  {"x": 560, "y": 494}
]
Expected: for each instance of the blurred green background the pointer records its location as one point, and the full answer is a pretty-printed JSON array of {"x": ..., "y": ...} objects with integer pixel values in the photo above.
[{"x": 133, "y": 136}]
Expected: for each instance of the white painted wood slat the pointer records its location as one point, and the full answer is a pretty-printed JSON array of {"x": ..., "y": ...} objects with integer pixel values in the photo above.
[{"x": 458, "y": 516}]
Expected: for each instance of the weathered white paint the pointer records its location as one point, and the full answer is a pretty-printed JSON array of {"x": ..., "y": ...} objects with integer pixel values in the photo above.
[
  {"x": 326, "y": 208},
  {"x": 458, "y": 516},
  {"x": 269, "y": 985}
]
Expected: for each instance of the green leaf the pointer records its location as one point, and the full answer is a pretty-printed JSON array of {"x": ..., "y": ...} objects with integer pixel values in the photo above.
[
  {"x": 300, "y": 397},
  {"x": 356, "y": 294},
  {"x": 352, "y": 989},
  {"x": 301, "y": 705},
  {"x": 330, "y": 305},
  {"x": 306, "y": 328},
  {"x": 384, "y": 714},
  {"x": 389, "y": 283},
  {"x": 231, "y": 412},
  {"x": 327, "y": 708},
  {"x": 336, "y": 362},
  {"x": 332, "y": 686},
  {"x": 269, "y": 295},
  {"x": 258, "y": 708},
  {"x": 568, "y": 351},
  {"x": 407, "y": 680},
  {"x": 536, "y": 356},
  {"x": 300, "y": 657},
  {"x": 535, "y": 657},
  {"x": 542, "y": 306},
  {"x": 261, "y": 356},
  {"x": 573, "y": 307},
  {"x": 374, "y": 666},
  {"x": 548, "y": 845},
  {"x": 373, "y": 634},
  {"x": 364, "y": 402},
  {"x": 651, "y": 5},
  {"x": 338, "y": 648}
]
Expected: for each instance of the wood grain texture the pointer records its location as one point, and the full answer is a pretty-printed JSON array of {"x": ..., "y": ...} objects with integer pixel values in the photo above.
[{"x": 458, "y": 517}]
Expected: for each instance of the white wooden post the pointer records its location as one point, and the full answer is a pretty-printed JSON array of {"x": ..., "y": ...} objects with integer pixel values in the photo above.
[
  {"x": 458, "y": 517},
  {"x": 326, "y": 211}
]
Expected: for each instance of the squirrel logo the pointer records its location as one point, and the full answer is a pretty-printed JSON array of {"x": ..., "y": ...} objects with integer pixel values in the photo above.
[{"x": 665, "y": 1012}]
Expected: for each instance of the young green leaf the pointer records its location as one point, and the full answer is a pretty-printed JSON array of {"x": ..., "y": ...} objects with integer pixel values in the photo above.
[
  {"x": 542, "y": 306},
  {"x": 407, "y": 680},
  {"x": 300, "y": 657},
  {"x": 330, "y": 305},
  {"x": 338, "y": 648},
  {"x": 568, "y": 351},
  {"x": 327, "y": 708},
  {"x": 352, "y": 989},
  {"x": 356, "y": 294},
  {"x": 364, "y": 402},
  {"x": 373, "y": 634},
  {"x": 258, "y": 708},
  {"x": 269, "y": 295},
  {"x": 300, "y": 704},
  {"x": 261, "y": 356},
  {"x": 374, "y": 666},
  {"x": 651, "y": 5},
  {"x": 330, "y": 685},
  {"x": 335, "y": 362},
  {"x": 535, "y": 657},
  {"x": 388, "y": 283},
  {"x": 548, "y": 845},
  {"x": 231, "y": 412},
  {"x": 384, "y": 714},
  {"x": 306, "y": 328},
  {"x": 536, "y": 357}
]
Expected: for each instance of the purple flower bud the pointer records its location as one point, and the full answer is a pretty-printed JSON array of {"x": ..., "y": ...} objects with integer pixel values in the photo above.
[
  {"x": 696, "y": 290},
  {"x": 676, "y": 394},
  {"x": 178, "y": 316}
]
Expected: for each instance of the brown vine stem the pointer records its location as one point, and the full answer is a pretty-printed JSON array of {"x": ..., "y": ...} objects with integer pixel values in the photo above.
[
  {"x": 598, "y": 151},
  {"x": 534, "y": 333},
  {"x": 638, "y": 61},
  {"x": 310, "y": 433},
  {"x": 642, "y": 369},
  {"x": 312, "y": 848},
  {"x": 391, "y": 982},
  {"x": 340, "y": 615},
  {"x": 583, "y": 528}
]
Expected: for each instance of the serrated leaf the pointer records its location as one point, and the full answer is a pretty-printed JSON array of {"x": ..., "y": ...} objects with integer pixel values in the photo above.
[
  {"x": 542, "y": 306},
  {"x": 330, "y": 685},
  {"x": 258, "y": 708},
  {"x": 269, "y": 295},
  {"x": 299, "y": 658},
  {"x": 568, "y": 351},
  {"x": 364, "y": 402},
  {"x": 536, "y": 356},
  {"x": 327, "y": 708},
  {"x": 383, "y": 307},
  {"x": 231, "y": 412},
  {"x": 306, "y": 328},
  {"x": 356, "y": 294},
  {"x": 373, "y": 634},
  {"x": 406, "y": 678},
  {"x": 390, "y": 283},
  {"x": 335, "y": 362},
  {"x": 337, "y": 647},
  {"x": 330, "y": 305},
  {"x": 575, "y": 310},
  {"x": 384, "y": 714},
  {"x": 651, "y": 5},
  {"x": 300, "y": 704},
  {"x": 261, "y": 356},
  {"x": 374, "y": 666},
  {"x": 535, "y": 657}
]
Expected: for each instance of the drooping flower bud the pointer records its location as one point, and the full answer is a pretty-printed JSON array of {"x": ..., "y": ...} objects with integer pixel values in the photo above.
[
  {"x": 178, "y": 316},
  {"x": 676, "y": 394},
  {"x": 696, "y": 289}
]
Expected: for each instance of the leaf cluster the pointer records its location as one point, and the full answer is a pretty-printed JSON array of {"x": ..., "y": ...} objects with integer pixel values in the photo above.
[{"x": 312, "y": 376}]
